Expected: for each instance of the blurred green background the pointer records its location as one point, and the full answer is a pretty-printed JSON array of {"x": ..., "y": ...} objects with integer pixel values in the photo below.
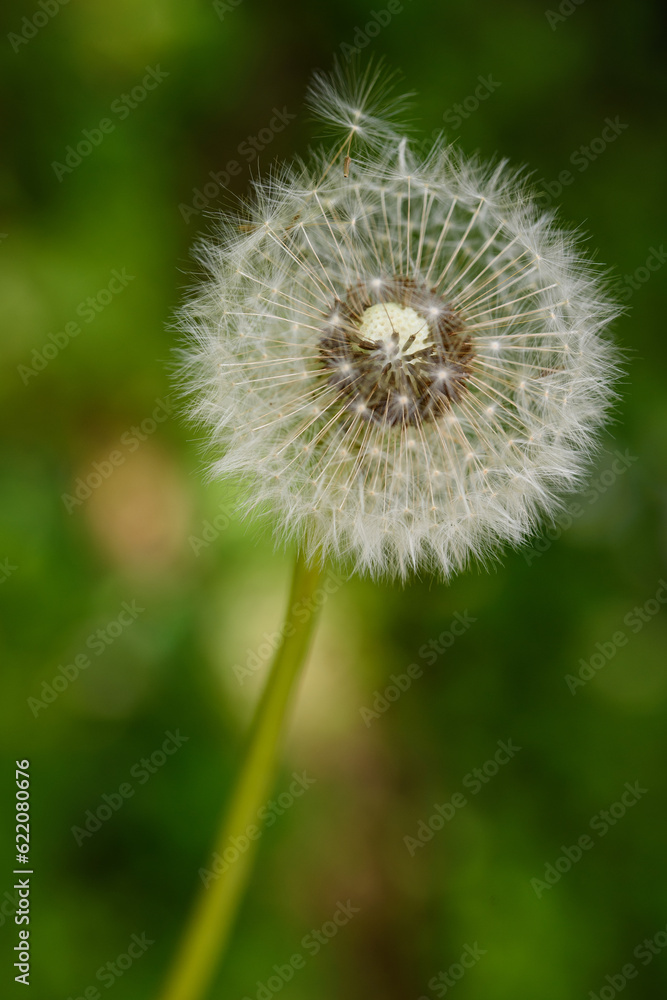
[{"x": 210, "y": 588}]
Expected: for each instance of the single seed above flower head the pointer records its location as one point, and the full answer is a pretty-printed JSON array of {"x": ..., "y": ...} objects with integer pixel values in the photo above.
[{"x": 405, "y": 364}]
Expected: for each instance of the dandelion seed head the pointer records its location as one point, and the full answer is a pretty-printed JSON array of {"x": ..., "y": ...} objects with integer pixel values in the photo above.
[{"x": 406, "y": 365}]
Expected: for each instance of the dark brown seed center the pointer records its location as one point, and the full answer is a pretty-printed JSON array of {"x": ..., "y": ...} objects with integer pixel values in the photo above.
[{"x": 395, "y": 352}]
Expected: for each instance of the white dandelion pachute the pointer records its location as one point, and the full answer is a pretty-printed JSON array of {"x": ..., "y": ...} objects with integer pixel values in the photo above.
[{"x": 405, "y": 364}]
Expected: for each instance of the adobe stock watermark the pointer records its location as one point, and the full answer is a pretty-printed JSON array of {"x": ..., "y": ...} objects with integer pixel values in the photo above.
[
  {"x": 87, "y": 311},
  {"x": 595, "y": 489},
  {"x": 444, "y": 981},
  {"x": 312, "y": 944},
  {"x": 97, "y": 642},
  {"x": 430, "y": 652},
  {"x": 473, "y": 782},
  {"x": 266, "y": 817},
  {"x": 249, "y": 150},
  {"x": 600, "y": 824},
  {"x": 565, "y": 9},
  {"x": 605, "y": 651},
  {"x": 141, "y": 772},
  {"x": 7, "y": 568},
  {"x": 223, "y": 7},
  {"x": 364, "y": 34},
  {"x": 111, "y": 971},
  {"x": 128, "y": 443},
  {"x": 211, "y": 529},
  {"x": 645, "y": 952},
  {"x": 8, "y": 906},
  {"x": 462, "y": 110},
  {"x": 580, "y": 159},
  {"x": 120, "y": 108},
  {"x": 458, "y": 113},
  {"x": 257, "y": 658},
  {"x": 31, "y": 26},
  {"x": 626, "y": 286}
]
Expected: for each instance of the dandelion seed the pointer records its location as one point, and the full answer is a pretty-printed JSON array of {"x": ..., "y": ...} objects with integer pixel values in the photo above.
[{"x": 387, "y": 343}]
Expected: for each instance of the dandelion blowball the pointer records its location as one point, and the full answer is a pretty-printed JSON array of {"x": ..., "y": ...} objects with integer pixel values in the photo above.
[{"x": 401, "y": 356}]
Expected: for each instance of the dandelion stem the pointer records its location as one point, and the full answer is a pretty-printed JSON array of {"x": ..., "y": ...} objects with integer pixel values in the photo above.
[{"x": 208, "y": 932}]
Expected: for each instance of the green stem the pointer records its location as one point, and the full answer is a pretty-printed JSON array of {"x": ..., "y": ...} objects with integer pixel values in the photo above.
[{"x": 208, "y": 931}]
